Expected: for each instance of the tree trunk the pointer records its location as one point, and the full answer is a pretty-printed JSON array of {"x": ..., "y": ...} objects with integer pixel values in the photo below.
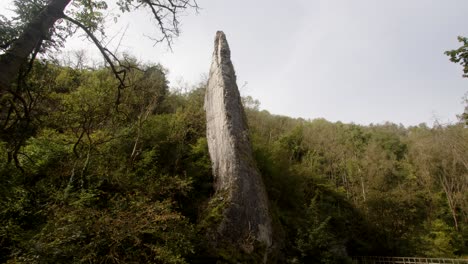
[
  {"x": 363, "y": 189},
  {"x": 35, "y": 31},
  {"x": 450, "y": 201}
]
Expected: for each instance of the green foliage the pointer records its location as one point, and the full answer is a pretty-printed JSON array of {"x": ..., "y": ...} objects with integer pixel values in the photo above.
[
  {"x": 101, "y": 184},
  {"x": 460, "y": 55},
  {"x": 134, "y": 230},
  {"x": 89, "y": 13},
  {"x": 45, "y": 151},
  {"x": 316, "y": 241},
  {"x": 371, "y": 190},
  {"x": 8, "y": 32},
  {"x": 440, "y": 240},
  {"x": 26, "y": 11},
  {"x": 104, "y": 184}
]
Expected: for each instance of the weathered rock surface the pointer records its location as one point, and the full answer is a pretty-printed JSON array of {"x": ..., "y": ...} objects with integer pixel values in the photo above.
[{"x": 246, "y": 221}]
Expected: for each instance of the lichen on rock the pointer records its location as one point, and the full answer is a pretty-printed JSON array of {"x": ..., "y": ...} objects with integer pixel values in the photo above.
[{"x": 246, "y": 221}]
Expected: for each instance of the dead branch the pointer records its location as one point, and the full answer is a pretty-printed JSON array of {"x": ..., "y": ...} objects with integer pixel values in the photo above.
[{"x": 120, "y": 74}]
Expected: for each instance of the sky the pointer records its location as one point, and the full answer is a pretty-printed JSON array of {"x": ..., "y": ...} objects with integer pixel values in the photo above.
[{"x": 360, "y": 61}]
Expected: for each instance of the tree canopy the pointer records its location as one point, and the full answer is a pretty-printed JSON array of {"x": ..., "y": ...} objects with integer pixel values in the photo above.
[
  {"x": 94, "y": 183},
  {"x": 38, "y": 26}
]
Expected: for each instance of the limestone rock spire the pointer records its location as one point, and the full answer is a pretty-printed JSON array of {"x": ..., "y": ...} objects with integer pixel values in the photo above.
[{"x": 246, "y": 221}]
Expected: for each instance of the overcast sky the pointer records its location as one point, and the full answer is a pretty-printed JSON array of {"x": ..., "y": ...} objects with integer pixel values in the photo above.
[{"x": 361, "y": 61}]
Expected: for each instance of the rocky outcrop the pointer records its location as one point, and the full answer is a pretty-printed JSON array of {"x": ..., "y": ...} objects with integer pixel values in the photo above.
[{"x": 245, "y": 220}]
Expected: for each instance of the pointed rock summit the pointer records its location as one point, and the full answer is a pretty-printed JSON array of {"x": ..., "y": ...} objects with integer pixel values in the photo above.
[{"x": 245, "y": 221}]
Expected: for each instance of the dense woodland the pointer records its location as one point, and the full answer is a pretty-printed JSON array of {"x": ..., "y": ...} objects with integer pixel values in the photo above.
[
  {"x": 86, "y": 180},
  {"x": 106, "y": 164}
]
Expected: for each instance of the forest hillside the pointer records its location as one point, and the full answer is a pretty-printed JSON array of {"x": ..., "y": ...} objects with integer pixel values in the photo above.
[{"x": 86, "y": 180}]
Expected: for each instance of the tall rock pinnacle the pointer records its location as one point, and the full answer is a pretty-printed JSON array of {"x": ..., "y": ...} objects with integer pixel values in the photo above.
[{"x": 246, "y": 221}]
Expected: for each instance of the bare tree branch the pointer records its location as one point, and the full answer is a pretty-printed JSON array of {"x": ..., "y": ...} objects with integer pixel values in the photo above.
[
  {"x": 165, "y": 13},
  {"x": 120, "y": 74}
]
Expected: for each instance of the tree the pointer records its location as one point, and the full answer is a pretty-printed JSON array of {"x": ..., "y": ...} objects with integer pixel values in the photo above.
[
  {"x": 439, "y": 156},
  {"x": 30, "y": 39},
  {"x": 460, "y": 56},
  {"x": 87, "y": 17},
  {"x": 41, "y": 25},
  {"x": 464, "y": 116}
]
